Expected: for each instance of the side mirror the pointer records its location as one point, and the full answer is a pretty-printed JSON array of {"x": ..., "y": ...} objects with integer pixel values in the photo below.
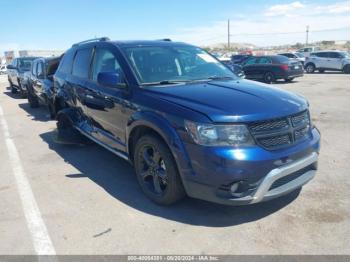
[
  {"x": 111, "y": 79},
  {"x": 10, "y": 67}
]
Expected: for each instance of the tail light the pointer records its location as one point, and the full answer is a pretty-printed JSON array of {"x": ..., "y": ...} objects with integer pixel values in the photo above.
[{"x": 284, "y": 67}]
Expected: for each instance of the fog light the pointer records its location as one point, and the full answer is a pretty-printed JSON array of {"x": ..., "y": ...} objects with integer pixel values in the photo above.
[{"x": 234, "y": 187}]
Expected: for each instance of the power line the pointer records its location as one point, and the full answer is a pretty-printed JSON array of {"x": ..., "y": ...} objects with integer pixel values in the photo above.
[{"x": 290, "y": 33}]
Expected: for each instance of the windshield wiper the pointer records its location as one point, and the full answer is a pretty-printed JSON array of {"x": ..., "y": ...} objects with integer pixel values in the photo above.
[
  {"x": 220, "y": 77},
  {"x": 164, "y": 82}
]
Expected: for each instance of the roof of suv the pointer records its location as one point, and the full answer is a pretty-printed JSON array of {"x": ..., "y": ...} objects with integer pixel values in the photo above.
[{"x": 131, "y": 43}]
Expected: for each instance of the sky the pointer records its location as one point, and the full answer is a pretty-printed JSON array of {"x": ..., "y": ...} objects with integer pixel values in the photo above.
[{"x": 57, "y": 24}]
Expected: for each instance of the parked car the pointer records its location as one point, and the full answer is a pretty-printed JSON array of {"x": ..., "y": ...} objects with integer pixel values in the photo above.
[
  {"x": 272, "y": 68},
  {"x": 186, "y": 122},
  {"x": 3, "y": 70},
  {"x": 328, "y": 61},
  {"x": 239, "y": 59},
  {"x": 306, "y": 51},
  {"x": 40, "y": 85},
  {"x": 237, "y": 69},
  {"x": 15, "y": 72},
  {"x": 296, "y": 56}
]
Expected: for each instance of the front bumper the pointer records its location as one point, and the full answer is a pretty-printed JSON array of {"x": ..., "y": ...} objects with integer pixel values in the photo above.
[{"x": 264, "y": 169}]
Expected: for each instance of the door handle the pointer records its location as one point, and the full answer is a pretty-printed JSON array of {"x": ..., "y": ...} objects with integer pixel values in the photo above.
[{"x": 89, "y": 96}]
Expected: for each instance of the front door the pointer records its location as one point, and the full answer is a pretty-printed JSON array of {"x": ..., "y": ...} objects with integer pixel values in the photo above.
[
  {"x": 335, "y": 60},
  {"x": 107, "y": 107}
]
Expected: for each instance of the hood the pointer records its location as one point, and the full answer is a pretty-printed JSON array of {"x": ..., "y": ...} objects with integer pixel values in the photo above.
[{"x": 233, "y": 101}]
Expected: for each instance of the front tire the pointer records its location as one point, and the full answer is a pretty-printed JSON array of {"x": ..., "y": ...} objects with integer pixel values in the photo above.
[
  {"x": 310, "y": 68},
  {"x": 32, "y": 99},
  {"x": 157, "y": 172},
  {"x": 51, "y": 108}
]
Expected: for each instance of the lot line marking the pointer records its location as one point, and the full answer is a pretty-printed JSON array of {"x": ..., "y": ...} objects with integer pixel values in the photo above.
[{"x": 39, "y": 234}]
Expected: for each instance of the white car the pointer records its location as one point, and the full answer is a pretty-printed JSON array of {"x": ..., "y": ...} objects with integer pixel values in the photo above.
[
  {"x": 3, "y": 70},
  {"x": 306, "y": 51},
  {"x": 328, "y": 60}
]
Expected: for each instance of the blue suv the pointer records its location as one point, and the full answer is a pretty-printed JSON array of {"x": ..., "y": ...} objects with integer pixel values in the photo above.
[{"x": 186, "y": 122}]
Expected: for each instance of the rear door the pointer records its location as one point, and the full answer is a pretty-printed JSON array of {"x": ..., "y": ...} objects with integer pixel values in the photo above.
[
  {"x": 335, "y": 61},
  {"x": 12, "y": 73},
  {"x": 79, "y": 76},
  {"x": 321, "y": 60},
  {"x": 250, "y": 68}
]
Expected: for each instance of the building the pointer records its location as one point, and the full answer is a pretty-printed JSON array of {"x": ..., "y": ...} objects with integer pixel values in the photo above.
[{"x": 10, "y": 55}]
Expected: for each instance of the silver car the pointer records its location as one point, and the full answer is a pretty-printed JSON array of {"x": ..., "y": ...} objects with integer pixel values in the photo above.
[{"x": 328, "y": 60}]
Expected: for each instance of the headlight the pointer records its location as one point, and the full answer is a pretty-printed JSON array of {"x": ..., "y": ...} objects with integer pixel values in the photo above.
[{"x": 219, "y": 135}]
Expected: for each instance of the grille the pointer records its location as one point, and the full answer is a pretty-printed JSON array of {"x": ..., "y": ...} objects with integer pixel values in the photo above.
[
  {"x": 269, "y": 125},
  {"x": 286, "y": 179},
  {"x": 275, "y": 141},
  {"x": 301, "y": 119},
  {"x": 282, "y": 132}
]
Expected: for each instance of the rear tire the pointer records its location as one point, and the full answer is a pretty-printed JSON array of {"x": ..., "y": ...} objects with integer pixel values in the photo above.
[
  {"x": 269, "y": 78},
  {"x": 157, "y": 172},
  {"x": 310, "y": 68}
]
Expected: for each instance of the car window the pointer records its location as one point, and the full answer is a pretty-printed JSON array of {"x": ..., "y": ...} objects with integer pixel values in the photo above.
[
  {"x": 34, "y": 68},
  {"x": 322, "y": 54},
  {"x": 66, "y": 63},
  {"x": 25, "y": 63},
  {"x": 334, "y": 55},
  {"x": 81, "y": 64},
  {"x": 264, "y": 60},
  {"x": 104, "y": 61},
  {"x": 250, "y": 61},
  {"x": 40, "y": 69}
]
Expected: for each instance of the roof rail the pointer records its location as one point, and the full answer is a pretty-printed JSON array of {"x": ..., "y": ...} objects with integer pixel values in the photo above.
[
  {"x": 100, "y": 39},
  {"x": 165, "y": 39}
]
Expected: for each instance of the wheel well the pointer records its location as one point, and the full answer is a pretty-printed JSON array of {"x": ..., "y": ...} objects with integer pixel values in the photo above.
[
  {"x": 310, "y": 63},
  {"x": 59, "y": 104},
  {"x": 136, "y": 134}
]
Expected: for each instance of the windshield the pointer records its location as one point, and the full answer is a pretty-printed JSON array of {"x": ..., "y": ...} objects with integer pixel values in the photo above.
[
  {"x": 25, "y": 63},
  {"x": 155, "y": 64},
  {"x": 301, "y": 55}
]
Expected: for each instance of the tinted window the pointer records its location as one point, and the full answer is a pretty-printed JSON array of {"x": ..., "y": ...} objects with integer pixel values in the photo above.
[
  {"x": 52, "y": 67},
  {"x": 81, "y": 64},
  {"x": 323, "y": 54},
  {"x": 250, "y": 61},
  {"x": 25, "y": 63},
  {"x": 264, "y": 60},
  {"x": 289, "y": 55},
  {"x": 104, "y": 61},
  {"x": 334, "y": 55},
  {"x": 281, "y": 59},
  {"x": 66, "y": 63}
]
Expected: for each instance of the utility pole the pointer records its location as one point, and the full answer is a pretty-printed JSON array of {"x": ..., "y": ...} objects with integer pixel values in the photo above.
[
  {"x": 307, "y": 35},
  {"x": 228, "y": 34}
]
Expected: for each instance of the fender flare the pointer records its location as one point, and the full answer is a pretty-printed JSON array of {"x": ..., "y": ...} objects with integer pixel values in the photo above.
[{"x": 162, "y": 126}]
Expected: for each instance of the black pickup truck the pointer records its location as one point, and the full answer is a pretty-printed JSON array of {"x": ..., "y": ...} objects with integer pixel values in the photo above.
[{"x": 40, "y": 84}]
